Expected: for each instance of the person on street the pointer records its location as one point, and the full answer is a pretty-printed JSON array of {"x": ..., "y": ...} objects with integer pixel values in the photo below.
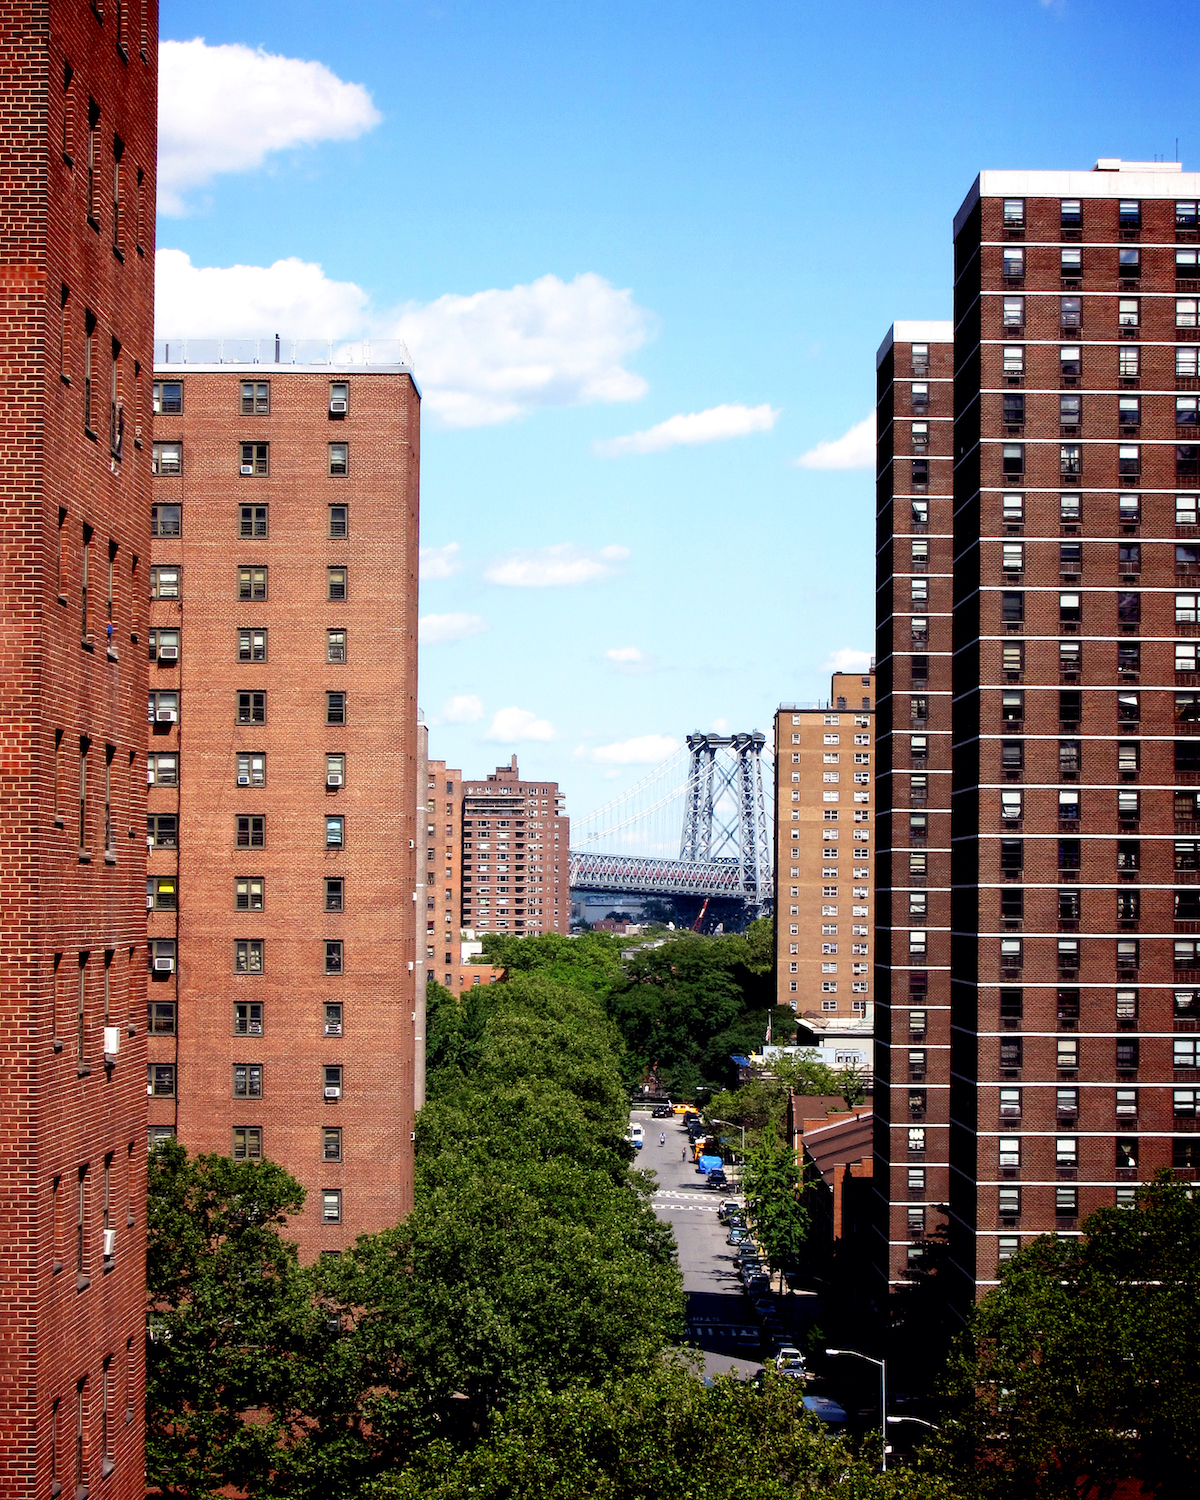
[
  {"x": 662, "y": 1139},
  {"x": 683, "y": 1154}
]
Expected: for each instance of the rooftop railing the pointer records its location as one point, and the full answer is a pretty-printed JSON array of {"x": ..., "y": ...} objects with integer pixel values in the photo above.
[{"x": 336, "y": 353}]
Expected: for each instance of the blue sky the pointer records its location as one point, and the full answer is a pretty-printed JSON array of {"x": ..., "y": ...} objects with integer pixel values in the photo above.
[{"x": 587, "y": 220}]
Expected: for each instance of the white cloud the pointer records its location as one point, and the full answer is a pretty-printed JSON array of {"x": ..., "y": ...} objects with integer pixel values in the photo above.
[
  {"x": 224, "y": 108},
  {"x": 253, "y": 301},
  {"x": 642, "y": 750},
  {"x": 847, "y": 659},
  {"x": 515, "y": 724},
  {"x": 465, "y": 708},
  {"x": 552, "y": 567},
  {"x": 481, "y": 359},
  {"x": 439, "y": 562},
  {"x": 853, "y": 450},
  {"x": 626, "y": 654},
  {"x": 439, "y": 630},
  {"x": 712, "y": 426},
  {"x": 496, "y": 355}
]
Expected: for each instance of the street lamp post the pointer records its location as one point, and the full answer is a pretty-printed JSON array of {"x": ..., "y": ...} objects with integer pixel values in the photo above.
[
  {"x": 920, "y": 1421},
  {"x": 883, "y": 1416}
]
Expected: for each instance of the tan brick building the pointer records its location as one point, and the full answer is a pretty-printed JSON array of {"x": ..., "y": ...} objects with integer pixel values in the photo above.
[
  {"x": 824, "y": 820},
  {"x": 442, "y": 915},
  {"x": 515, "y": 855},
  {"x": 77, "y": 125},
  {"x": 282, "y": 762},
  {"x": 914, "y": 558}
]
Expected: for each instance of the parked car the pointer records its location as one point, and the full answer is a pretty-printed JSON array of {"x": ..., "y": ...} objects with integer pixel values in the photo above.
[
  {"x": 717, "y": 1180},
  {"x": 736, "y": 1221},
  {"x": 765, "y": 1307},
  {"x": 757, "y": 1285},
  {"x": 736, "y": 1236},
  {"x": 726, "y": 1207},
  {"x": 790, "y": 1362},
  {"x": 662, "y": 1112},
  {"x": 827, "y": 1410}
]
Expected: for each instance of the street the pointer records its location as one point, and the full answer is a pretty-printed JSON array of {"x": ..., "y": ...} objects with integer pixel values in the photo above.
[{"x": 720, "y": 1319}]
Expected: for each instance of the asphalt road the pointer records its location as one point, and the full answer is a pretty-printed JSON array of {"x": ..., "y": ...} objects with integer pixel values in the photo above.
[{"x": 720, "y": 1318}]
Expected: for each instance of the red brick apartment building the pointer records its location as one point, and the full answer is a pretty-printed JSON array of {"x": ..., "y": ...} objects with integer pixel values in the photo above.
[
  {"x": 824, "y": 821},
  {"x": 282, "y": 762},
  {"x": 442, "y": 916},
  {"x": 914, "y": 564},
  {"x": 77, "y": 281},
  {"x": 1075, "y": 829},
  {"x": 516, "y": 870}
]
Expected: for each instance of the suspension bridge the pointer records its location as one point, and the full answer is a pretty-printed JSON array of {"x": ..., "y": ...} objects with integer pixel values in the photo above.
[{"x": 696, "y": 827}]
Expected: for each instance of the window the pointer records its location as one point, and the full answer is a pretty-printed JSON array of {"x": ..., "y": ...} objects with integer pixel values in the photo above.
[
  {"x": 1071, "y": 264},
  {"x": 1014, "y": 360},
  {"x": 333, "y": 1018},
  {"x": 1129, "y": 361},
  {"x": 252, "y": 645},
  {"x": 334, "y": 895},
  {"x": 1185, "y": 312},
  {"x": 1129, "y": 412},
  {"x": 163, "y": 708},
  {"x": 247, "y": 1143},
  {"x": 248, "y": 956},
  {"x": 160, "y": 1080},
  {"x": 335, "y": 708},
  {"x": 1070, "y": 314},
  {"x": 166, "y": 459},
  {"x": 1010, "y": 1104},
  {"x": 252, "y": 769},
  {"x": 1011, "y": 805},
  {"x": 162, "y": 770},
  {"x": 920, "y": 512},
  {"x": 251, "y": 832},
  {"x": 163, "y": 645},
  {"x": 1187, "y": 461},
  {"x": 160, "y": 893},
  {"x": 252, "y": 708},
  {"x": 164, "y": 583},
  {"x": 248, "y": 893},
  {"x": 331, "y": 1207},
  {"x": 256, "y": 398},
  {"x": 916, "y": 1140},
  {"x": 166, "y": 520},
  {"x": 1186, "y": 362},
  {"x": 1013, "y": 459},
  {"x": 252, "y": 520},
  {"x": 1012, "y": 608},
  {"x": 1013, "y": 557},
  {"x": 333, "y": 1081},
  {"x": 252, "y": 583},
  {"x": 1070, "y": 459},
  {"x": 1129, "y": 264},
  {"x": 335, "y": 646},
  {"x": 162, "y": 831},
  {"x": 1070, "y": 410},
  {"x": 339, "y": 520},
  {"x": 335, "y": 770},
  {"x": 1185, "y": 656},
  {"x": 1070, "y": 212},
  {"x": 255, "y": 459},
  {"x": 1012, "y": 509},
  {"x": 920, "y": 436},
  {"x": 333, "y": 958},
  {"x": 160, "y": 1017},
  {"x": 331, "y": 1143},
  {"x": 1129, "y": 509},
  {"x": 1185, "y": 412},
  {"x": 1185, "y": 214},
  {"x": 1068, "y": 804},
  {"x": 166, "y": 398},
  {"x": 248, "y": 1018},
  {"x": 1013, "y": 264},
  {"x": 1129, "y": 313},
  {"x": 1013, "y": 313},
  {"x": 339, "y": 459},
  {"x": 335, "y": 829},
  {"x": 337, "y": 583},
  {"x": 1066, "y": 1202},
  {"x": 339, "y": 398},
  {"x": 1014, "y": 213},
  {"x": 247, "y": 1080},
  {"x": 1070, "y": 509},
  {"x": 1010, "y": 1055}
]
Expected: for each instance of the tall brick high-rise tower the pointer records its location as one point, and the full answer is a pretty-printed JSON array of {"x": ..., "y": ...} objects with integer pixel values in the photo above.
[
  {"x": 77, "y": 283},
  {"x": 282, "y": 746},
  {"x": 1076, "y": 764}
]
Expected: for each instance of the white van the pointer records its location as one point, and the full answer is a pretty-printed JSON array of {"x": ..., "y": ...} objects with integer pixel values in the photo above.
[{"x": 636, "y": 1134}]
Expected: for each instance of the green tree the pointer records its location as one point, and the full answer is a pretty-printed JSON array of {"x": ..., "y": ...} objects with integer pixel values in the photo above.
[
  {"x": 233, "y": 1325},
  {"x": 1079, "y": 1370},
  {"x": 661, "y": 1434},
  {"x": 773, "y": 1182}
]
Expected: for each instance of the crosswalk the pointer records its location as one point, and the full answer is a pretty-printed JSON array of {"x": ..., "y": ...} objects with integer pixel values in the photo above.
[{"x": 688, "y": 1202}]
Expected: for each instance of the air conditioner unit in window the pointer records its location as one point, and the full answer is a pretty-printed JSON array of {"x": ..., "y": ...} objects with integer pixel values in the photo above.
[
  {"x": 247, "y": 468},
  {"x": 149, "y": 777},
  {"x": 164, "y": 965},
  {"x": 334, "y": 1028},
  {"x": 112, "y": 1041},
  {"x": 168, "y": 653},
  {"x": 149, "y": 902},
  {"x": 167, "y": 715},
  {"x": 254, "y": 1028},
  {"x": 333, "y": 779},
  {"x": 337, "y": 408},
  {"x": 332, "y": 1091},
  {"x": 110, "y": 1243},
  {"x": 243, "y": 781}
]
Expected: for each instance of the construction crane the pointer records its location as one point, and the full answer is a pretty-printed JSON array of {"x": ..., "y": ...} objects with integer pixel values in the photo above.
[{"x": 700, "y": 918}]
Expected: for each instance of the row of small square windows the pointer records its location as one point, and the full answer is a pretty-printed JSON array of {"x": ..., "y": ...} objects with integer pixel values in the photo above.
[
  {"x": 247, "y": 1145},
  {"x": 1128, "y": 263},
  {"x": 166, "y": 583},
  {"x": 247, "y": 1081},
  {"x": 1129, "y": 213},
  {"x": 165, "y": 646},
  {"x": 249, "y": 954},
  {"x": 247, "y": 1018},
  {"x": 254, "y": 460},
  {"x": 249, "y": 894},
  {"x": 249, "y": 708},
  {"x": 1070, "y": 507},
  {"x": 1070, "y": 361},
  {"x": 250, "y": 831},
  {"x": 254, "y": 398},
  {"x": 252, "y": 520},
  {"x": 1070, "y": 313},
  {"x": 250, "y": 769}
]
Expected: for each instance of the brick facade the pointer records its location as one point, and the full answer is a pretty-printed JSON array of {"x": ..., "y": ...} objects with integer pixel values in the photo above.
[
  {"x": 283, "y": 699},
  {"x": 516, "y": 868},
  {"x": 824, "y": 822},
  {"x": 77, "y": 284},
  {"x": 914, "y": 562}
]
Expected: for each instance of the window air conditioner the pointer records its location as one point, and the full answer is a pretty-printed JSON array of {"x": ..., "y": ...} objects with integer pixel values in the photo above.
[
  {"x": 166, "y": 715},
  {"x": 332, "y": 1091},
  {"x": 243, "y": 781},
  {"x": 164, "y": 965},
  {"x": 168, "y": 653},
  {"x": 337, "y": 408},
  {"x": 110, "y": 1243},
  {"x": 334, "y": 1028},
  {"x": 333, "y": 779},
  {"x": 149, "y": 902},
  {"x": 149, "y": 777},
  {"x": 112, "y": 1041},
  {"x": 254, "y": 1028},
  {"x": 247, "y": 468}
]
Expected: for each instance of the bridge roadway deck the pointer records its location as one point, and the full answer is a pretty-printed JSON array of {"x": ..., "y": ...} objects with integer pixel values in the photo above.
[{"x": 657, "y": 877}]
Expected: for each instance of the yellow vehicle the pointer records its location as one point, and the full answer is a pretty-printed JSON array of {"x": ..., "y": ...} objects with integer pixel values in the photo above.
[{"x": 685, "y": 1109}]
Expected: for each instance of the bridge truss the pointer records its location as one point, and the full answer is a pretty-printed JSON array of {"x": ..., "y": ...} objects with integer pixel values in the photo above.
[{"x": 717, "y": 801}]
